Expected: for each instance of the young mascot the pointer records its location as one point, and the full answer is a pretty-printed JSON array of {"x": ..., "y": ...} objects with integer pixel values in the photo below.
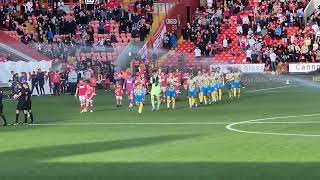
[
  {"x": 89, "y": 97},
  {"x": 139, "y": 96},
  {"x": 82, "y": 90},
  {"x": 118, "y": 92}
]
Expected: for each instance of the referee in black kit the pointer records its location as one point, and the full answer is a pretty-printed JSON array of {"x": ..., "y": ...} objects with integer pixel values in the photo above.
[
  {"x": 20, "y": 95},
  {"x": 27, "y": 104},
  {"x": 1, "y": 109}
]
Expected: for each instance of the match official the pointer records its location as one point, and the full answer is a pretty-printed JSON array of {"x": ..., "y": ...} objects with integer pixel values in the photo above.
[
  {"x": 1, "y": 109},
  {"x": 27, "y": 105}
]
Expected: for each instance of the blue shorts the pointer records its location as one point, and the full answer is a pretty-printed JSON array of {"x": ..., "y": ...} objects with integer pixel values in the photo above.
[
  {"x": 171, "y": 93},
  {"x": 236, "y": 84},
  {"x": 139, "y": 99},
  {"x": 210, "y": 89},
  {"x": 230, "y": 85},
  {"x": 214, "y": 88},
  {"x": 219, "y": 86},
  {"x": 204, "y": 90},
  {"x": 192, "y": 93}
]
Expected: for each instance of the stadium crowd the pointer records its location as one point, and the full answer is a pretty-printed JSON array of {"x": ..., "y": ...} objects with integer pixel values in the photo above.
[
  {"x": 262, "y": 31},
  {"x": 60, "y": 33}
]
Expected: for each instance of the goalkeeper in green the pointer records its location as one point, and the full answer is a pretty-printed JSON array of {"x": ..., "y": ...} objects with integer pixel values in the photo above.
[{"x": 155, "y": 81}]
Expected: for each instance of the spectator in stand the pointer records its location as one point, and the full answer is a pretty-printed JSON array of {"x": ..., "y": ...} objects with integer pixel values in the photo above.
[
  {"x": 249, "y": 55},
  {"x": 173, "y": 40},
  {"x": 225, "y": 44},
  {"x": 278, "y": 32},
  {"x": 60, "y": 7},
  {"x": 197, "y": 52},
  {"x": 215, "y": 48},
  {"x": 273, "y": 60},
  {"x": 166, "y": 41},
  {"x": 209, "y": 3},
  {"x": 101, "y": 27},
  {"x": 50, "y": 35}
]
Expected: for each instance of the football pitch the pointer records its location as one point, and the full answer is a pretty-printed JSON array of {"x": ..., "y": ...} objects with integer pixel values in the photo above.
[{"x": 272, "y": 132}]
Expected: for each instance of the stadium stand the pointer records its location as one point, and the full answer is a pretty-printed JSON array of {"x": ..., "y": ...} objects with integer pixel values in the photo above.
[
  {"x": 247, "y": 32},
  {"x": 99, "y": 33}
]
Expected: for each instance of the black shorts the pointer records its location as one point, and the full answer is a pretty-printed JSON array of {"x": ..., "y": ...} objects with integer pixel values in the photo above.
[
  {"x": 20, "y": 106},
  {"x": 1, "y": 108},
  {"x": 27, "y": 105}
]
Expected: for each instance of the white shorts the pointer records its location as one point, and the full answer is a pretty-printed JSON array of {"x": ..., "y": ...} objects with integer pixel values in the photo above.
[
  {"x": 144, "y": 90},
  {"x": 118, "y": 97},
  {"x": 185, "y": 87},
  {"x": 89, "y": 101},
  {"x": 163, "y": 89},
  {"x": 82, "y": 99}
]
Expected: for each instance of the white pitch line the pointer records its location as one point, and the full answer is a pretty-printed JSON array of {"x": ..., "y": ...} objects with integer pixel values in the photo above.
[
  {"x": 173, "y": 123},
  {"x": 124, "y": 123},
  {"x": 231, "y": 128},
  {"x": 266, "y": 89}
]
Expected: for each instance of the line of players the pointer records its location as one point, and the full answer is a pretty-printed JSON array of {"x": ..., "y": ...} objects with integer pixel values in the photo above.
[{"x": 205, "y": 87}]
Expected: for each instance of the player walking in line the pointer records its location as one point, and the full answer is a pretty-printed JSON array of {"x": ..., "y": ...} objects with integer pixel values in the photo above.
[
  {"x": 220, "y": 84},
  {"x": 230, "y": 83},
  {"x": 128, "y": 85},
  {"x": 1, "y": 110},
  {"x": 177, "y": 87},
  {"x": 89, "y": 97},
  {"x": 118, "y": 92},
  {"x": 20, "y": 95},
  {"x": 93, "y": 83},
  {"x": 155, "y": 82},
  {"x": 199, "y": 84},
  {"x": 139, "y": 95},
  {"x": 163, "y": 86},
  {"x": 185, "y": 78},
  {"x": 81, "y": 91},
  {"x": 28, "y": 104},
  {"x": 205, "y": 89},
  {"x": 192, "y": 92},
  {"x": 237, "y": 83},
  {"x": 171, "y": 91},
  {"x": 213, "y": 86}
]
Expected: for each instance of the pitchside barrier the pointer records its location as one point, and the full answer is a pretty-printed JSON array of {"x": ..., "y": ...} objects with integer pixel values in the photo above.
[
  {"x": 20, "y": 67},
  {"x": 299, "y": 73},
  {"x": 245, "y": 68},
  {"x": 303, "y": 67}
]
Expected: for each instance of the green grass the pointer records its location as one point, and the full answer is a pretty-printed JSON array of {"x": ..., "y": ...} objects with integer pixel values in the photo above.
[{"x": 166, "y": 151}]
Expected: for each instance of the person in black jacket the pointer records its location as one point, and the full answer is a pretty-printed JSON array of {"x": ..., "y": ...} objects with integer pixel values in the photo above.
[
  {"x": 41, "y": 79},
  {"x": 27, "y": 104},
  {"x": 1, "y": 109},
  {"x": 34, "y": 82}
]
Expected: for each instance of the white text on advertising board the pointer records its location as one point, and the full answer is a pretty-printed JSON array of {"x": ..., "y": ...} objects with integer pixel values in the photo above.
[
  {"x": 171, "y": 21},
  {"x": 304, "y": 67}
]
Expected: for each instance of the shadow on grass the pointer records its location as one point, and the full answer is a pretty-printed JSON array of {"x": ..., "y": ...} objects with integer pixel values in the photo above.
[{"x": 30, "y": 164}]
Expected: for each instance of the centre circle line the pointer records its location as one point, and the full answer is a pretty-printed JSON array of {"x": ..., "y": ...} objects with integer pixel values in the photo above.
[{"x": 231, "y": 126}]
